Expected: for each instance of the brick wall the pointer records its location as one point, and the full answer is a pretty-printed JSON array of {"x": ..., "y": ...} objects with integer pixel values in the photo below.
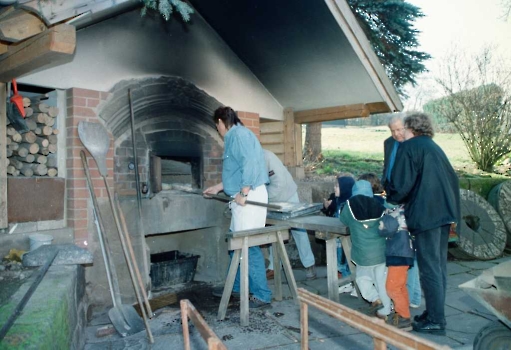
[
  {"x": 251, "y": 121},
  {"x": 82, "y": 106}
]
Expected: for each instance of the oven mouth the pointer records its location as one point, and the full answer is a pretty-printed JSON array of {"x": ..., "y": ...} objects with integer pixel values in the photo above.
[{"x": 183, "y": 171}]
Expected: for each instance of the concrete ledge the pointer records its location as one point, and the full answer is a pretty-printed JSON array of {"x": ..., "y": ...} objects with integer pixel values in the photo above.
[
  {"x": 21, "y": 240},
  {"x": 55, "y": 315}
]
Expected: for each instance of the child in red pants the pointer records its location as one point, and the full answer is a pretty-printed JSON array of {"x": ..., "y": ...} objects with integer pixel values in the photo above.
[{"x": 399, "y": 256}]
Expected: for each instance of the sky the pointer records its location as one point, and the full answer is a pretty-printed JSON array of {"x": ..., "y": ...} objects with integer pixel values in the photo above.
[{"x": 467, "y": 24}]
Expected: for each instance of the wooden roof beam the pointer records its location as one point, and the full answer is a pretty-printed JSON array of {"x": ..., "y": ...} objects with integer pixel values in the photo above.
[
  {"x": 17, "y": 25},
  {"x": 53, "y": 47},
  {"x": 56, "y": 11},
  {"x": 360, "y": 110}
]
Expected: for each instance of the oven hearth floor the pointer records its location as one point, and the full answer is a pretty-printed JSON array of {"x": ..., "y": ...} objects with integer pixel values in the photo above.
[{"x": 278, "y": 327}]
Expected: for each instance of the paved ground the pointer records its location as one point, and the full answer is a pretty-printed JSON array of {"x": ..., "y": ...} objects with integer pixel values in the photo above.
[{"x": 279, "y": 326}]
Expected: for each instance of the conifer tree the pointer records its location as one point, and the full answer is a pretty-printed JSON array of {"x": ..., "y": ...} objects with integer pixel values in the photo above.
[
  {"x": 167, "y": 7},
  {"x": 389, "y": 26}
]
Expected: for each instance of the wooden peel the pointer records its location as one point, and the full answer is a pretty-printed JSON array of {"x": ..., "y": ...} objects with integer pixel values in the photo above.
[{"x": 222, "y": 198}]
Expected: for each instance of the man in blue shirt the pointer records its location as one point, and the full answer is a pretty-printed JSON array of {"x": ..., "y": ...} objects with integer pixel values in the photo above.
[{"x": 244, "y": 176}]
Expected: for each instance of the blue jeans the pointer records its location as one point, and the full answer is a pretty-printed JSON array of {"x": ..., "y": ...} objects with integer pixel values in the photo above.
[
  {"x": 413, "y": 284},
  {"x": 257, "y": 283},
  {"x": 432, "y": 259},
  {"x": 342, "y": 262}
]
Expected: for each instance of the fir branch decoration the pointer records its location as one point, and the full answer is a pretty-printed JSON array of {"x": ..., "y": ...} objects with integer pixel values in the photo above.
[{"x": 167, "y": 7}]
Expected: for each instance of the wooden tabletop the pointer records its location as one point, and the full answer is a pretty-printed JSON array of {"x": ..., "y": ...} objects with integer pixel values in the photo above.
[{"x": 324, "y": 225}]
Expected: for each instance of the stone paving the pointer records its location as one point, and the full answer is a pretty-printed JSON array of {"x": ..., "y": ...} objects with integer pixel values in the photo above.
[{"x": 279, "y": 326}]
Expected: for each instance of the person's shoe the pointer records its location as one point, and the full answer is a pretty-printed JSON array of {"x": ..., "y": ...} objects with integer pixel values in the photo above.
[
  {"x": 270, "y": 274},
  {"x": 402, "y": 323},
  {"x": 347, "y": 288},
  {"x": 381, "y": 317},
  {"x": 310, "y": 272},
  {"x": 219, "y": 291},
  {"x": 427, "y": 326},
  {"x": 371, "y": 309},
  {"x": 422, "y": 317},
  {"x": 415, "y": 306},
  {"x": 254, "y": 303},
  {"x": 354, "y": 293}
]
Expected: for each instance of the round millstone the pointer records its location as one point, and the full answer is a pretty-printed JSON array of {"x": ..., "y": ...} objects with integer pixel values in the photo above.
[
  {"x": 500, "y": 198},
  {"x": 482, "y": 233}
]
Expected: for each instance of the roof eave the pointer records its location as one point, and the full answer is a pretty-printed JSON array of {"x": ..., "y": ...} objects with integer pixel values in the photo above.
[{"x": 356, "y": 37}]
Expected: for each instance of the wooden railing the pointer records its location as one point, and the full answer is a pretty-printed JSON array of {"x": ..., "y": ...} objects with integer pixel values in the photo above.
[
  {"x": 381, "y": 332},
  {"x": 189, "y": 311}
]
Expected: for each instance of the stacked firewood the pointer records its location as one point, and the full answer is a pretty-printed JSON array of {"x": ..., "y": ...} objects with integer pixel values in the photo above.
[{"x": 34, "y": 152}]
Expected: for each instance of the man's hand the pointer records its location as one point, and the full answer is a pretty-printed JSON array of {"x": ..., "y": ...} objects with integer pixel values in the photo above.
[
  {"x": 239, "y": 199},
  {"x": 213, "y": 190},
  {"x": 326, "y": 203}
]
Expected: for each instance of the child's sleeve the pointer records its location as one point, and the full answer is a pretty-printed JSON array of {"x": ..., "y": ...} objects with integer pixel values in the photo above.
[{"x": 388, "y": 226}]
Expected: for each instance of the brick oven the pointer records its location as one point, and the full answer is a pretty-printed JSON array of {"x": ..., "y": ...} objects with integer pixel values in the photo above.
[{"x": 177, "y": 143}]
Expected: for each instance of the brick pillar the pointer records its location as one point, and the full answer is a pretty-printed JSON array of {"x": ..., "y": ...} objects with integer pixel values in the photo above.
[
  {"x": 82, "y": 106},
  {"x": 251, "y": 121}
]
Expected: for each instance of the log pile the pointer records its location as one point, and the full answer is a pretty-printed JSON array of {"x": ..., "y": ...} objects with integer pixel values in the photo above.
[{"x": 34, "y": 152}]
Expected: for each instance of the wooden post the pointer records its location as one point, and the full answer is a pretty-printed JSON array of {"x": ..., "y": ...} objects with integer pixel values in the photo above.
[
  {"x": 277, "y": 272},
  {"x": 331, "y": 270},
  {"x": 293, "y": 145},
  {"x": 184, "y": 322},
  {"x": 289, "y": 138},
  {"x": 304, "y": 325},
  {"x": 244, "y": 284},
  {"x": 3, "y": 156}
]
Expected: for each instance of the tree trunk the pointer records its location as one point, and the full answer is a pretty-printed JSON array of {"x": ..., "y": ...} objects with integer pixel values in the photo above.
[{"x": 312, "y": 147}]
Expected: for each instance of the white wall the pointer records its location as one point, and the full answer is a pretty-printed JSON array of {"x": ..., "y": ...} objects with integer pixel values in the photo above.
[{"x": 130, "y": 47}]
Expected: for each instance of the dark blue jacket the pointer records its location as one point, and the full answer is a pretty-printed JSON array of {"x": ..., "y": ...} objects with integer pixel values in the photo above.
[{"x": 425, "y": 182}]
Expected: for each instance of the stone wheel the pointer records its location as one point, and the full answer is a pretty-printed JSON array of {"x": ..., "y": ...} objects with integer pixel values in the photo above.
[
  {"x": 500, "y": 198},
  {"x": 494, "y": 336},
  {"x": 482, "y": 232}
]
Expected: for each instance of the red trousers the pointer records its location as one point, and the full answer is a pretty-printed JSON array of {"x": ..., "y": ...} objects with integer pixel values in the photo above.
[{"x": 397, "y": 291}]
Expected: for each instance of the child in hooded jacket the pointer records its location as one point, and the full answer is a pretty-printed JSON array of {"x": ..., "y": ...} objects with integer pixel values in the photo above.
[
  {"x": 399, "y": 254},
  {"x": 361, "y": 215},
  {"x": 332, "y": 207}
]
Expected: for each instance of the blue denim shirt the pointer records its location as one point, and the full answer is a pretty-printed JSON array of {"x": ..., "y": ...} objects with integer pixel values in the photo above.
[{"x": 243, "y": 161}]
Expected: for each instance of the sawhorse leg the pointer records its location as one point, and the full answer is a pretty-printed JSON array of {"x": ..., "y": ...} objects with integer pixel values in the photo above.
[
  {"x": 331, "y": 269},
  {"x": 287, "y": 268},
  {"x": 229, "y": 283}
]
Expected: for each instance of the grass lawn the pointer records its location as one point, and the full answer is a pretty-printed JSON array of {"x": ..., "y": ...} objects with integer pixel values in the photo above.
[{"x": 360, "y": 149}]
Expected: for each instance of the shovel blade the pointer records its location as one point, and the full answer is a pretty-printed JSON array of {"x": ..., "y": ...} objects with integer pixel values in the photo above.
[
  {"x": 125, "y": 320},
  {"x": 95, "y": 138}
]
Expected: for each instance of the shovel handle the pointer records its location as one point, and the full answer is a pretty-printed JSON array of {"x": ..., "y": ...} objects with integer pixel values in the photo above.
[
  {"x": 15, "y": 86},
  {"x": 225, "y": 198}
]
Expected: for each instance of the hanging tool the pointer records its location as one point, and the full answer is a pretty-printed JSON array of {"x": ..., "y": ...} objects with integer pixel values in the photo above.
[
  {"x": 15, "y": 109},
  {"x": 133, "y": 269},
  {"x": 138, "y": 187},
  {"x": 124, "y": 318}
]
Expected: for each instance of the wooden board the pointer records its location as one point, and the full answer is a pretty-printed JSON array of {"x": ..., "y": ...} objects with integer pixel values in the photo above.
[
  {"x": 359, "y": 110},
  {"x": 35, "y": 199},
  {"x": 313, "y": 223},
  {"x": 292, "y": 210},
  {"x": 51, "y": 48},
  {"x": 19, "y": 25}
]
